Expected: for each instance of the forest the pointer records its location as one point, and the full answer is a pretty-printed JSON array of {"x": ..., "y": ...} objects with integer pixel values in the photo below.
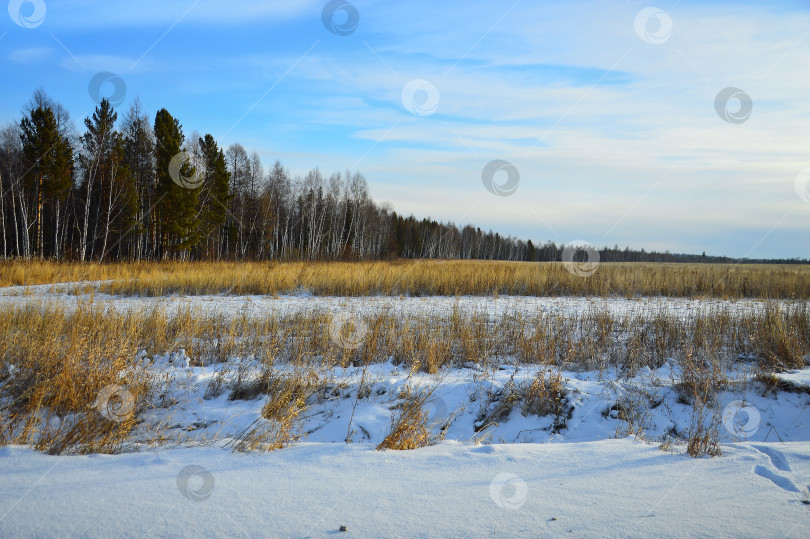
[{"x": 134, "y": 188}]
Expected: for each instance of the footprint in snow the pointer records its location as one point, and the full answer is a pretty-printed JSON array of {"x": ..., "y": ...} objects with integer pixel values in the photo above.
[
  {"x": 779, "y": 461},
  {"x": 780, "y": 481},
  {"x": 777, "y": 457}
]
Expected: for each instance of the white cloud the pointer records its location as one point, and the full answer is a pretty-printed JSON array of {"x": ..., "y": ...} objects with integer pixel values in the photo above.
[
  {"x": 92, "y": 63},
  {"x": 30, "y": 55}
]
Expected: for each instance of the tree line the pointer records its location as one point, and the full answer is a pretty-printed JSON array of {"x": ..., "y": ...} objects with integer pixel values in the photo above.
[{"x": 137, "y": 188}]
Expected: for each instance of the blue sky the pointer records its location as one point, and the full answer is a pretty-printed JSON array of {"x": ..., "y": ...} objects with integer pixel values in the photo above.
[{"x": 607, "y": 111}]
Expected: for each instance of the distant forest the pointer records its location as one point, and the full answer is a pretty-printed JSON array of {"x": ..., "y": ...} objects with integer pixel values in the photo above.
[{"x": 122, "y": 190}]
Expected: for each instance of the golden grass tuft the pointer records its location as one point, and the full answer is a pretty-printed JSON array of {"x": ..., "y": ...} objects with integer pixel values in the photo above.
[
  {"x": 546, "y": 395},
  {"x": 287, "y": 397},
  {"x": 410, "y": 425}
]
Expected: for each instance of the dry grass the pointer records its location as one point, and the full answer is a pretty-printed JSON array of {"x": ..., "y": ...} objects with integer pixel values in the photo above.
[
  {"x": 499, "y": 405},
  {"x": 701, "y": 381},
  {"x": 633, "y": 408},
  {"x": 545, "y": 395},
  {"x": 54, "y": 363},
  {"x": 287, "y": 397},
  {"x": 421, "y": 277},
  {"x": 781, "y": 338},
  {"x": 69, "y": 382},
  {"x": 410, "y": 425}
]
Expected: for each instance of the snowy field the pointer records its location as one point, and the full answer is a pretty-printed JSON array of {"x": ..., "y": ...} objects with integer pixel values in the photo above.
[
  {"x": 613, "y": 488},
  {"x": 611, "y": 464},
  {"x": 283, "y": 305}
]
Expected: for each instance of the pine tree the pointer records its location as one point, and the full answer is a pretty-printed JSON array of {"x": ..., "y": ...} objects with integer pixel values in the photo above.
[
  {"x": 177, "y": 205},
  {"x": 49, "y": 160},
  {"x": 99, "y": 143}
]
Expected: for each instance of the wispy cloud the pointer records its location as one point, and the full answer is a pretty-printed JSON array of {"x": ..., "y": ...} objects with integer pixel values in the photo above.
[
  {"x": 105, "y": 62},
  {"x": 30, "y": 55}
]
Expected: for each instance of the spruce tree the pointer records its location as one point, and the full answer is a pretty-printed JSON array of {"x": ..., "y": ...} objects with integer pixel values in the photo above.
[{"x": 215, "y": 194}]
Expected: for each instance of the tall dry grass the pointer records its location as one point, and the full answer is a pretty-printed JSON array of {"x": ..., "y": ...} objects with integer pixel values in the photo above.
[
  {"x": 701, "y": 381},
  {"x": 410, "y": 424},
  {"x": 287, "y": 396},
  {"x": 58, "y": 374},
  {"x": 421, "y": 277},
  {"x": 55, "y": 363}
]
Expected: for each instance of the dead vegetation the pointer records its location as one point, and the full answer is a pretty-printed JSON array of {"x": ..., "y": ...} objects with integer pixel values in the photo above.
[
  {"x": 69, "y": 382},
  {"x": 545, "y": 395},
  {"x": 702, "y": 379},
  {"x": 76, "y": 380},
  {"x": 287, "y": 396},
  {"x": 419, "y": 278},
  {"x": 410, "y": 424}
]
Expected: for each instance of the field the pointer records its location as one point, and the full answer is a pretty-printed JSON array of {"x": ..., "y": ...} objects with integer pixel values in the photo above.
[
  {"x": 520, "y": 398},
  {"x": 423, "y": 278}
]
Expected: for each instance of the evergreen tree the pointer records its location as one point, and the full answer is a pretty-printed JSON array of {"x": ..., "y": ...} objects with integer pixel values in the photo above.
[
  {"x": 214, "y": 196},
  {"x": 49, "y": 160},
  {"x": 530, "y": 251},
  {"x": 177, "y": 204},
  {"x": 99, "y": 143}
]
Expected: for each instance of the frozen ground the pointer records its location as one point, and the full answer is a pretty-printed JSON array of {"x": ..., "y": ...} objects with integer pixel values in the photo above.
[{"x": 518, "y": 475}]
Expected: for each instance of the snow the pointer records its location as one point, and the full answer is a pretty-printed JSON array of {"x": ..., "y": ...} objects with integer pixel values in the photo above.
[
  {"x": 612, "y": 487},
  {"x": 582, "y": 479},
  {"x": 358, "y": 403},
  {"x": 797, "y": 378},
  {"x": 520, "y": 475},
  {"x": 283, "y": 305}
]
